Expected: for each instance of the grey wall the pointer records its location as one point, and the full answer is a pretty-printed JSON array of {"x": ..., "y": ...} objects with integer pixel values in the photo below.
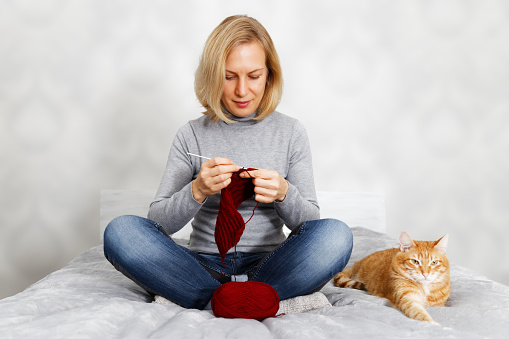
[{"x": 403, "y": 97}]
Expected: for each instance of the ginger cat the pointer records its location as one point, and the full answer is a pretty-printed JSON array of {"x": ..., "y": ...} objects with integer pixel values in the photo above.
[{"x": 411, "y": 277}]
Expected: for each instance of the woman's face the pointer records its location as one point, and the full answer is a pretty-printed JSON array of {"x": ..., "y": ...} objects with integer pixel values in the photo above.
[{"x": 245, "y": 79}]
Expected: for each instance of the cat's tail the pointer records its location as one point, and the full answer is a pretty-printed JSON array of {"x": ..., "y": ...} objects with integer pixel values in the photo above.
[{"x": 344, "y": 279}]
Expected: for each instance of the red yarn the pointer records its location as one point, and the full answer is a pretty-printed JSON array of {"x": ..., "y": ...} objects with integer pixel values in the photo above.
[
  {"x": 248, "y": 300},
  {"x": 229, "y": 224}
]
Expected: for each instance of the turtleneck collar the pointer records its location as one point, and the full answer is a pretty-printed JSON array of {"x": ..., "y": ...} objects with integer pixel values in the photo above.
[{"x": 242, "y": 121}]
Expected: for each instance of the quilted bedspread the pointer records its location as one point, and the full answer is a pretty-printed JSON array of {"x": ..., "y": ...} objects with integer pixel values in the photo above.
[{"x": 88, "y": 298}]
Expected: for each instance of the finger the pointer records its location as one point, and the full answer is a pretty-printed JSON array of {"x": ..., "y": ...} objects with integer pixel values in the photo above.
[
  {"x": 221, "y": 184},
  {"x": 212, "y": 181},
  {"x": 213, "y": 185},
  {"x": 218, "y": 179},
  {"x": 218, "y": 161},
  {"x": 266, "y": 184},
  {"x": 266, "y": 192},
  {"x": 263, "y": 199},
  {"x": 217, "y": 166},
  {"x": 250, "y": 174},
  {"x": 224, "y": 169},
  {"x": 261, "y": 174}
]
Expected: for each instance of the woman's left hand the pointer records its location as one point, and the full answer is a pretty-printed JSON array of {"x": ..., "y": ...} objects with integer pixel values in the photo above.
[{"x": 269, "y": 185}]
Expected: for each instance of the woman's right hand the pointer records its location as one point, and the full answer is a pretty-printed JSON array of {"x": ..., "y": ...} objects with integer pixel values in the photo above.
[{"x": 215, "y": 174}]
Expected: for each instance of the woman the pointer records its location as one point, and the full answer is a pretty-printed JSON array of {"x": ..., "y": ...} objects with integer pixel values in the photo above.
[{"x": 239, "y": 83}]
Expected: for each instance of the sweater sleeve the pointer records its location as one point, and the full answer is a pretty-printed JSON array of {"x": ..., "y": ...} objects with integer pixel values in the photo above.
[
  {"x": 174, "y": 205},
  {"x": 300, "y": 203}
]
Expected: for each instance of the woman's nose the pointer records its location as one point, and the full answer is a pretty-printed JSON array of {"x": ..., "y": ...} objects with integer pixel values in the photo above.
[{"x": 241, "y": 88}]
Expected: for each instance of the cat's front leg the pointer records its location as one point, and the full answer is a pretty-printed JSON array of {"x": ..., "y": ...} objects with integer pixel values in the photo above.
[{"x": 412, "y": 305}]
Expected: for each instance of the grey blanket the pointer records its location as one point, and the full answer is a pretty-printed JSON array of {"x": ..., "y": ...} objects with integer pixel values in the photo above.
[{"x": 88, "y": 298}]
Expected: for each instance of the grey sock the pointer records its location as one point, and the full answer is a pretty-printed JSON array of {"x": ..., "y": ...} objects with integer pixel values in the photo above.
[{"x": 303, "y": 303}]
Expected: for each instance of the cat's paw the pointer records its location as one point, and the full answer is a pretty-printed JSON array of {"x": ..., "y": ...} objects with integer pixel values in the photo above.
[
  {"x": 337, "y": 279},
  {"x": 344, "y": 279}
]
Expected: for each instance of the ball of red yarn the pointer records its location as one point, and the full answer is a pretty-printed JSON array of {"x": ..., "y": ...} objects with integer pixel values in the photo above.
[{"x": 248, "y": 300}]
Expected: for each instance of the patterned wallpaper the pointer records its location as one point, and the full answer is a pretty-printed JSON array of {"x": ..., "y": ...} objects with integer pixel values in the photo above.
[{"x": 405, "y": 97}]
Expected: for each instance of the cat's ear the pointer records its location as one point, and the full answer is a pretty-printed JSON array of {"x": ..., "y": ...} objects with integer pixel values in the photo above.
[
  {"x": 441, "y": 244},
  {"x": 405, "y": 242}
]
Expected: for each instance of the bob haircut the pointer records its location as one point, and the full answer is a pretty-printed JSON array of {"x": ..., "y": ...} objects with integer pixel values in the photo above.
[{"x": 210, "y": 74}]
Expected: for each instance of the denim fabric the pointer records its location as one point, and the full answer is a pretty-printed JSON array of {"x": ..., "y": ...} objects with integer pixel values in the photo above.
[{"x": 302, "y": 264}]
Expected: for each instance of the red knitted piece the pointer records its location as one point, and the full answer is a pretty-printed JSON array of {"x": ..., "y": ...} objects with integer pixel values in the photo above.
[{"x": 230, "y": 224}]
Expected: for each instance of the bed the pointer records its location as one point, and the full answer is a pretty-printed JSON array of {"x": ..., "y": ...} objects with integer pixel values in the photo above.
[{"x": 88, "y": 298}]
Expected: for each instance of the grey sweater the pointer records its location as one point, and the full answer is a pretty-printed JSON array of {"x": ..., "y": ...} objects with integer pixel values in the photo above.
[{"x": 278, "y": 142}]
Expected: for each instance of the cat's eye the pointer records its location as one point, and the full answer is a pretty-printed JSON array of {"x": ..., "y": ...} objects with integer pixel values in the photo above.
[
  {"x": 415, "y": 262},
  {"x": 434, "y": 263}
]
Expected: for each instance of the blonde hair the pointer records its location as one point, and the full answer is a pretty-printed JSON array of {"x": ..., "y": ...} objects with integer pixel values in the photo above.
[{"x": 210, "y": 74}]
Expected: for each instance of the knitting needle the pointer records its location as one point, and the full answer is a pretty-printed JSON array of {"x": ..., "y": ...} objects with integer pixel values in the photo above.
[{"x": 201, "y": 156}]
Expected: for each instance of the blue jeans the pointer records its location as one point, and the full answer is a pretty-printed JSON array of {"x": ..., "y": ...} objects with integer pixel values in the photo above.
[{"x": 302, "y": 264}]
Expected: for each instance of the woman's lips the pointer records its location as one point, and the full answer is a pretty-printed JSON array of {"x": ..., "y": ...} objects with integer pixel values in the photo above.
[{"x": 242, "y": 104}]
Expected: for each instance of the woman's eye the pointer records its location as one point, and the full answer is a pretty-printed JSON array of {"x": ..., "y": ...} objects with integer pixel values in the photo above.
[
  {"x": 230, "y": 77},
  {"x": 254, "y": 77}
]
